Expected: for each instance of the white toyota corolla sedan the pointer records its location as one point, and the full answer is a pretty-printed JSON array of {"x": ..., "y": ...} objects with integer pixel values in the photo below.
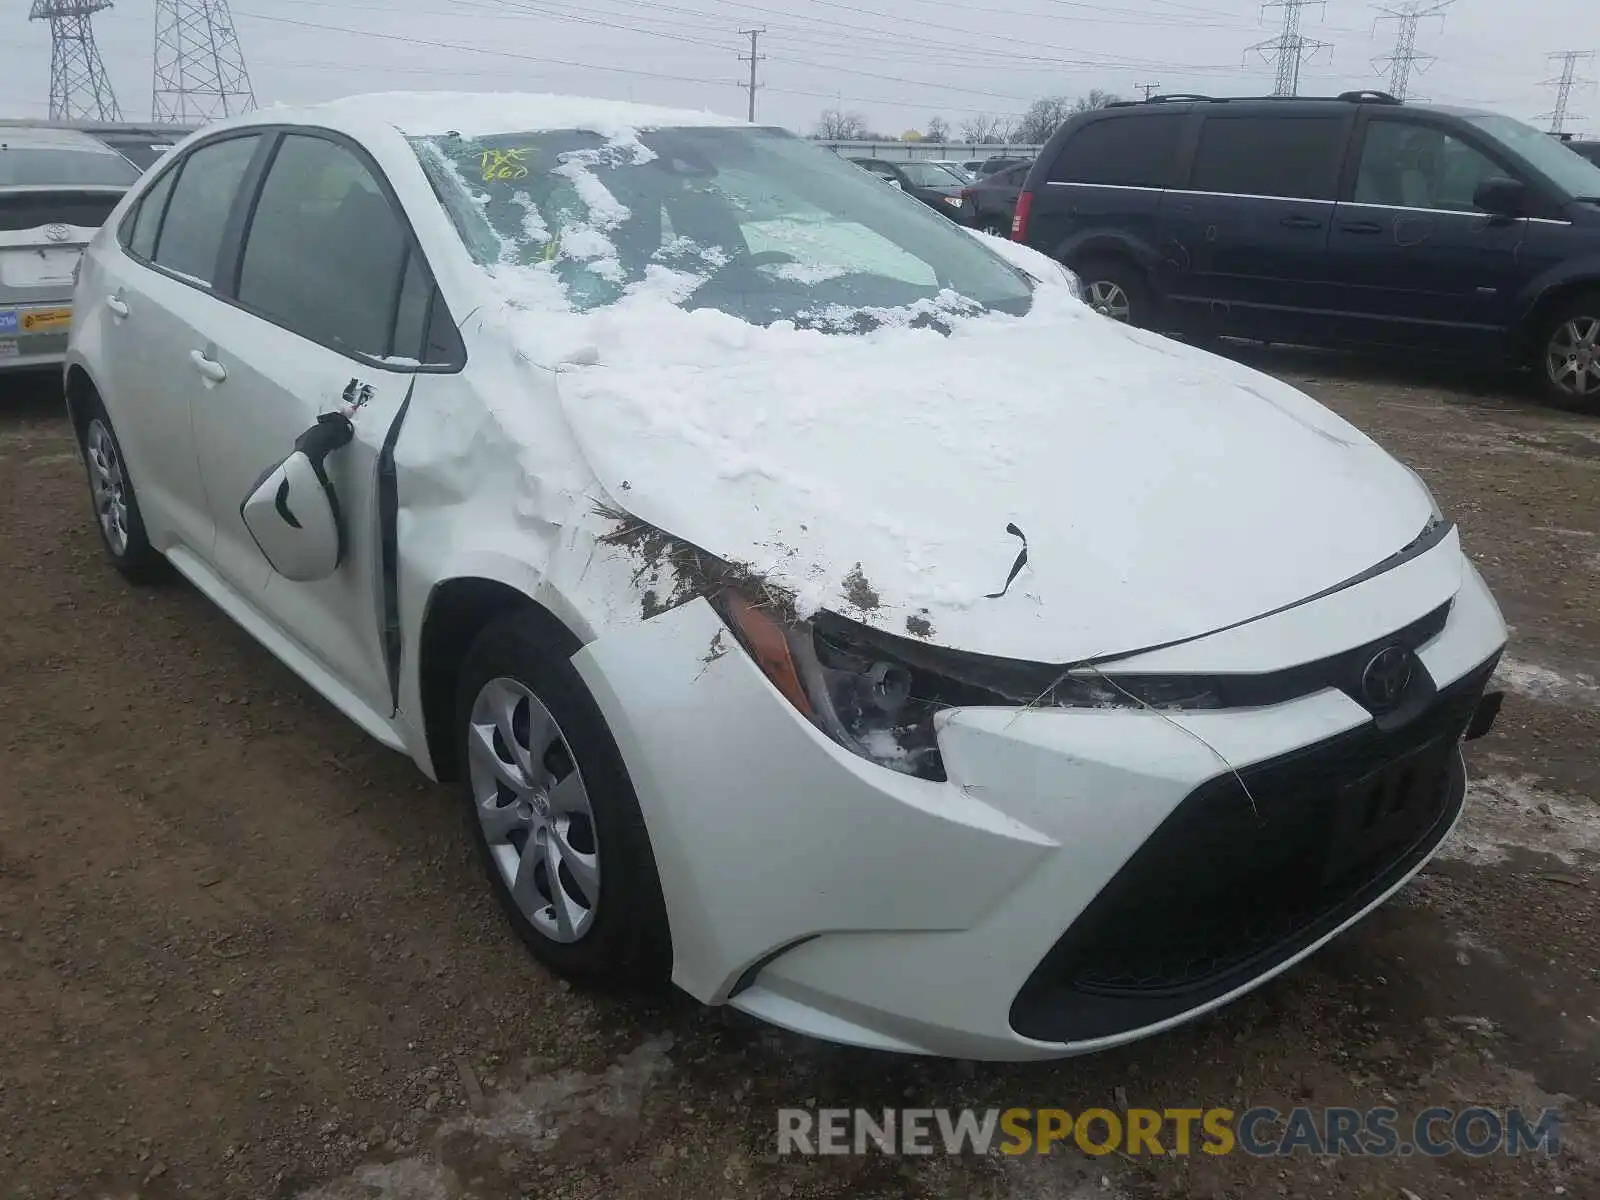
[{"x": 815, "y": 601}]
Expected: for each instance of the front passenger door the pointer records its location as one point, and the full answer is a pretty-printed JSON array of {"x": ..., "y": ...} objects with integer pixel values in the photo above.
[
  {"x": 333, "y": 306},
  {"x": 1417, "y": 264}
]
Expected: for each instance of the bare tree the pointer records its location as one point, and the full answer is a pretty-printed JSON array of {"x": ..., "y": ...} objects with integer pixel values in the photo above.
[
  {"x": 836, "y": 125},
  {"x": 1097, "y": 98},
  {"x": 986, "y": 130},
  {"x": 938, "y": 130},
  {"x": 1042, "y": 119}
]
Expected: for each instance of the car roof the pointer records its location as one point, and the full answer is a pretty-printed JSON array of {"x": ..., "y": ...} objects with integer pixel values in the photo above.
[
  {"x": 478, "y": 114},
  {"x": 45, "y": 137},
  {"x": 1256, "y": 105}
]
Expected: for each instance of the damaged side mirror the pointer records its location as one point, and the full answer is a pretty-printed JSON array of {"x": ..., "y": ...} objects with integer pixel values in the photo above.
[{"x": 293, "y": 511}]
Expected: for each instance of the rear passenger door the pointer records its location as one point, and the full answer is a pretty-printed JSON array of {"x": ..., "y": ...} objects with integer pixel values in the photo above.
[
  {"x": 159, "y": 293},
  {"x": 1104, "y": 191},
  {"x": 1250, "y": 231},
  {"x": 1417, "y": 264}
]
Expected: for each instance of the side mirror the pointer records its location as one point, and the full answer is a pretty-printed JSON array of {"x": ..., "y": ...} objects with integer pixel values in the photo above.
[
  {"x": 895, "y": 184},
  {"x": 293, "y": 511},
  {"x": 1501, "y": 197}
]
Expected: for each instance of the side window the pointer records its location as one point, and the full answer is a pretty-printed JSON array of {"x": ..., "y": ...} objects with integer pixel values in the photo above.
[
  {"x": 411, "y": 310},
  {"x": 1416, "y": 166},
  {"x": 141, "y": 241},
  {"x": 190, "y": 238},
  {"x": 1134, "y": 151},
  {"x": 1289, "y": 156},
  {"x": 326, "y": 250}
]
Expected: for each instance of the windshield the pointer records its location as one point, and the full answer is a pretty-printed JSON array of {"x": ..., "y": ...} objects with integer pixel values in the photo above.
[
  {"x": 1570, "y": 172},
  {"x": 931, "y": 175},
  {"x": 754, "y": 222},
  {"x": 34, "y": 167}
]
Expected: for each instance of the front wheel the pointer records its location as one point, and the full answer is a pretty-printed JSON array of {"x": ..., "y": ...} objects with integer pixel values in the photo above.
[
  {"x": 553, "y": 812},
  {"x": 1117, "y": 289},
  {"x": 1570, "y": 353}
]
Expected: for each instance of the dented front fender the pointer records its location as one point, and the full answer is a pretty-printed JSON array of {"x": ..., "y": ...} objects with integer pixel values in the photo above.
[{"x": 765, "y": 832}]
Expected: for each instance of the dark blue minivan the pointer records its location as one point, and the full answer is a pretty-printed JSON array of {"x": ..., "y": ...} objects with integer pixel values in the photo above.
[{"x": 1354, "y": 222}]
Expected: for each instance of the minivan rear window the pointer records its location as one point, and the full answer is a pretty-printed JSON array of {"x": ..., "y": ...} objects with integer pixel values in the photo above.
[
  {"x": 1133, "y": 151},
  {"x": 1289, "y": 156}
]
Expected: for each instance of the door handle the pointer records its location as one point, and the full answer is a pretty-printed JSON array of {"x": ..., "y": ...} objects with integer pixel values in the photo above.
[
  {"x": 1300, "y": 223},
  {"x": 209, "y": 368},
  {"x": 1362, "y": 227},
  {"x": 118, "y": 308}
]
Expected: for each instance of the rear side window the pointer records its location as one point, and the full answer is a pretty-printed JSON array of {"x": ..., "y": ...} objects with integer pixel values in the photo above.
[
  {"x": 197, "y": 215},
  {"x": 1288, "y": 156},
  {"x": 147, "y": 221},
  {"x": 1121, "y": 151},
  {"x": 326, "y": 251}
]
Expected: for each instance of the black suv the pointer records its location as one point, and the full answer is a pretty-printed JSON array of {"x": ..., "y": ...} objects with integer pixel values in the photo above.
[{"x": 1351, "y": 222}]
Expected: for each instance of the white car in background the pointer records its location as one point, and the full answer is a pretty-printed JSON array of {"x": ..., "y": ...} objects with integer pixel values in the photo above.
[
  {"x": 816, "y": 601},
  {"x": 56, "y": 188}
]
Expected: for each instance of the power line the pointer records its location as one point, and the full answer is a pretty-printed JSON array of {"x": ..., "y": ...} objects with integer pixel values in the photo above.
[
  {"x": 1405, "y": 58},
  {"x": 79, "y": 87},
  {"x": 1565, "y": 84},
  {"x": 563, "y": 62},
  {"x": 752, "y": 58},
  {"x": 1149, "y": 89},
  {"x": 1290, "y": 49}
]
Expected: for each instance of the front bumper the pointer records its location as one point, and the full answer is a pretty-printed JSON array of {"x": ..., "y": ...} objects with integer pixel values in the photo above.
[{"x": 1086, "y": 878}]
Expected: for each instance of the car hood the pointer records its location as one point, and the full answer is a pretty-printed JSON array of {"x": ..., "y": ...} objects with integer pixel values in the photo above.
[{"x": 896, "y": 477}]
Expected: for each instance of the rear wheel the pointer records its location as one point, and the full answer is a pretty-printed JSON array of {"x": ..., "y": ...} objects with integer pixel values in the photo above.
[
  {"x": 1115, "y": 288},
  {"x": 1569, "y": 352},
  {"x": 995, "y": 226},
  {"x": 116, "y": 507}
]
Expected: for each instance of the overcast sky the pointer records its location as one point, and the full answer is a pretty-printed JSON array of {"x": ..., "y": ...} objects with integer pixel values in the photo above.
[{"x": 897, "y": 62}]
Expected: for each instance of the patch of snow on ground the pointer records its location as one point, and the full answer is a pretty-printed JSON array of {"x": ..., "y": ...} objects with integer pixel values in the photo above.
[
  {"x": 1544, "y": 683},
  {"x": 533, "y": 1118},
  {"x": 1505, "y": 814}
]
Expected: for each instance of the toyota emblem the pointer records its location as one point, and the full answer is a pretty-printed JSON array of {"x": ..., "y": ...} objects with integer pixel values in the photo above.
[
  {"x": 57, "y": 233},
  {"x": 1386, "y": 678}
]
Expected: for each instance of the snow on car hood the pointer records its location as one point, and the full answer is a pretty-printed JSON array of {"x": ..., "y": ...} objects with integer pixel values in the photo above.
[{"x": 1163, "y": 493}]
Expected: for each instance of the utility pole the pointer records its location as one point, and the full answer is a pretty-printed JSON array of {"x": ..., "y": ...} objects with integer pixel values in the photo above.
[
  {"x": 200, "y": 74},
  {"x": 1565, "y": 84},
  {"x": 1404, "y": 58},
  {"x": 79, "y": 87},
  {"x": 753, "y": 58},
  {"x": 1149, "y": 89},
  {"x": 1290, "y": 48}
]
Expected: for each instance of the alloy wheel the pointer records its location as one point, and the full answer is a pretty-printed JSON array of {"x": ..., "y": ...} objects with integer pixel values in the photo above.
[
  {"x": 1573, "y": 358},
  {"x": 1109, "y": 300},
  {"x": 534, "y": 810},
  {"x": 109, "y": 485}
]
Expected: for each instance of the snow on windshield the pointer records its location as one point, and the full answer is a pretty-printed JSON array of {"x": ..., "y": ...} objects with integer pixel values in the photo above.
[{"x": 753, "y": 223}]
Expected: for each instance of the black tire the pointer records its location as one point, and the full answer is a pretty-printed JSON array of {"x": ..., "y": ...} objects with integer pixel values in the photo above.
[
  {"x": 995, "y": 225},
  {"x": 1125, "y": 278},
  {"x": 106, "y": 468},
  {"x": 629, "y": 941},
  {"x": 1557, "y": 358}
]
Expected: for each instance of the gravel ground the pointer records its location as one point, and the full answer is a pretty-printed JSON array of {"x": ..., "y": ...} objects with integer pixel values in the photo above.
[{"x": 244, "y": 952}]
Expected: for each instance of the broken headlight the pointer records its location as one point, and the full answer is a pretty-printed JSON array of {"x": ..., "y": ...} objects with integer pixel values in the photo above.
[{"x": 877, "y": 695}]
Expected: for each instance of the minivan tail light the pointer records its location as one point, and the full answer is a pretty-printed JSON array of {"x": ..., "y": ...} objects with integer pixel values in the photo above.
[{"x": 1019, "y": 219}]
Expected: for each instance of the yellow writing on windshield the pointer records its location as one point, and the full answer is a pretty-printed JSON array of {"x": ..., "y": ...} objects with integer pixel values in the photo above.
[{"x": 500, "y": 166}]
